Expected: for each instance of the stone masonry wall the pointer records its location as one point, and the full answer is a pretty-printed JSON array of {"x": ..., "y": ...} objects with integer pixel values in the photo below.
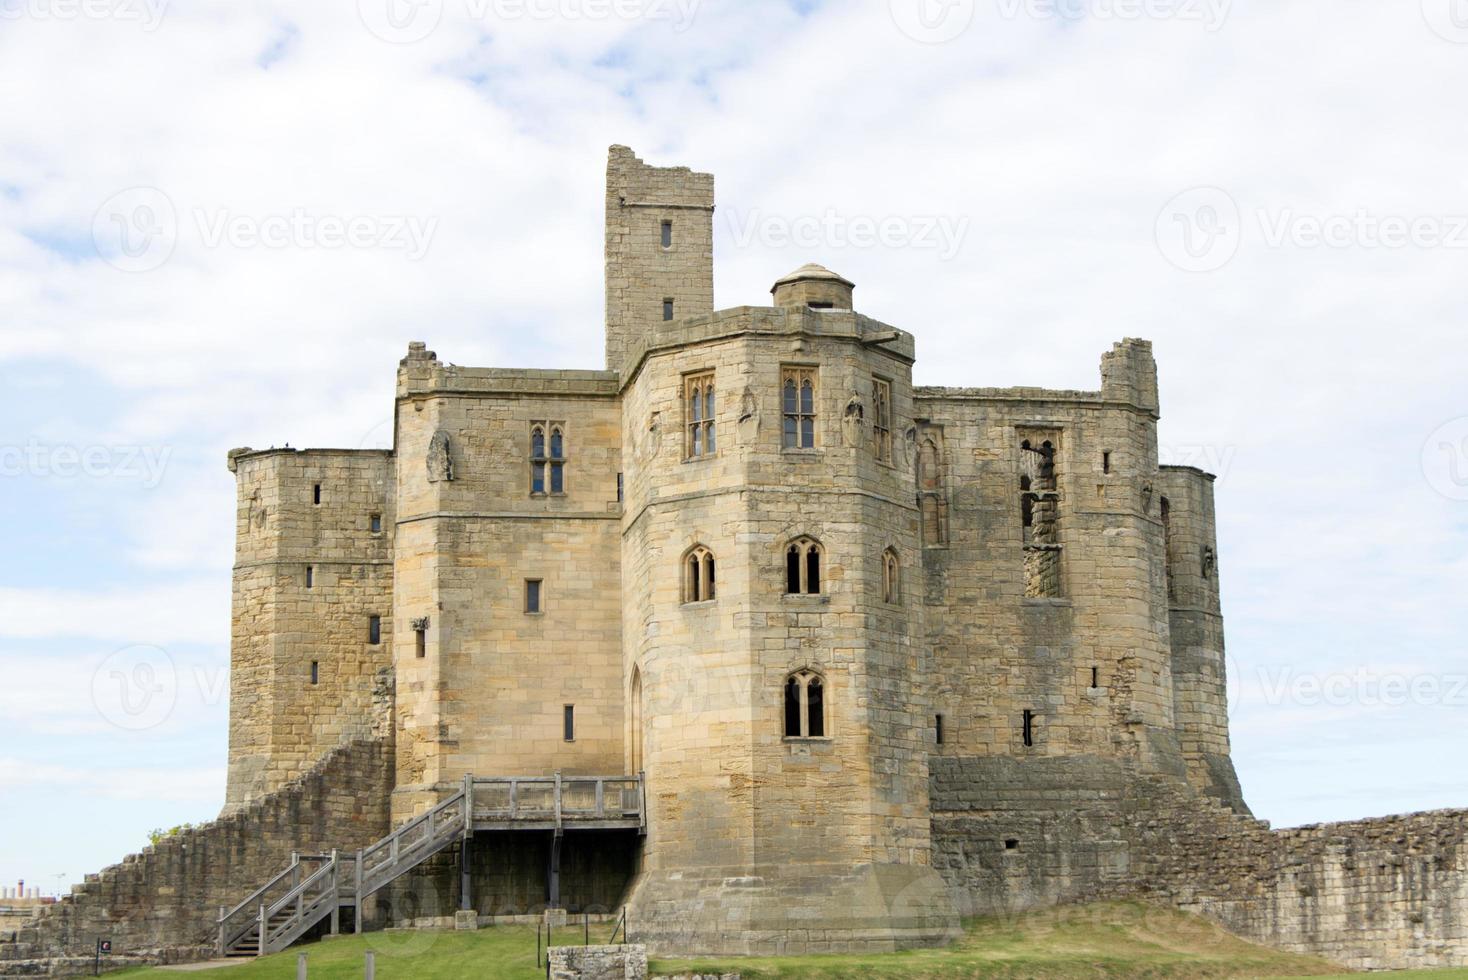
[
  {"x": 162, "y": 904},
  {"x": 1011, "y": 836}
]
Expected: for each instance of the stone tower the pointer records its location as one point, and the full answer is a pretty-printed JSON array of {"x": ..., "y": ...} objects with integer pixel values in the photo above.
[
  {"x": 782, "y": 726},
  {"x": 659, "y": 249}
]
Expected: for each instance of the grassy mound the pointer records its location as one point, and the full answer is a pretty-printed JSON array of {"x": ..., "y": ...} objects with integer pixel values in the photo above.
[{"x": 1122, "y": 939}]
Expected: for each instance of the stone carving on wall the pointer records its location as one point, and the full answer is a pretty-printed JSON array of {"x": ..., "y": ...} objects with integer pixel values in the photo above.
[
  {"x": 654, "y": 434},
  {"x": 908, "y": 447},
  {"x": 1147, "y": 499},
  {"x": 852, "y": 420},
  {"x": 257, "y": 512},
  {"x": 748, "y": 416},
  {"x": 1210, "y": 562},
  {"x": 440, "y": 458}
]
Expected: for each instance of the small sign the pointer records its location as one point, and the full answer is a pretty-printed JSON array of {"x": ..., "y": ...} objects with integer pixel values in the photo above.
[{"x": 104, "y": 945}]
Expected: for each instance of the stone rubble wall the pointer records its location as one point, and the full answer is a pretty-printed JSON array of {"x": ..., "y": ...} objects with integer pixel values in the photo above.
[
  {"x": 162, "y": 905},
  {"x": 1012, "y": 837},
  {"x": 598, "y": 962}
]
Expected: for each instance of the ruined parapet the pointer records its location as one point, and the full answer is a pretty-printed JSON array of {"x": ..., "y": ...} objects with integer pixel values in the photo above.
[
  {"x": 659, "y": 249},
  {"x": 1129, "y": 374}
]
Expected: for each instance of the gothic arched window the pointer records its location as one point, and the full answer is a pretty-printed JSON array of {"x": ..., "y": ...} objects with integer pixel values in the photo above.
[
  {"x": 803, "y": 567},
  {"x": 805, "y": 705},
  {"x": 698, "y": 575}
]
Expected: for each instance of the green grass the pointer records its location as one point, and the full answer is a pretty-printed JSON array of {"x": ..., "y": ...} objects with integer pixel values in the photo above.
[{"x": 1128, "y": 940}]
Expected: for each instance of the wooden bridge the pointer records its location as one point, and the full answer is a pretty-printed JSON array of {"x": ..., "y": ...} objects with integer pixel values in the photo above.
[{"x": 314, "y": 887}]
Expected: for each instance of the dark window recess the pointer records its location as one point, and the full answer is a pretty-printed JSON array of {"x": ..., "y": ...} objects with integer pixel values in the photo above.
[
  {"x": 420, "y": 642},
  {"x": 1095, "y": 677},
  {"x": 376, "y": 523},
  {"x": 1029, "y": 728},
  {"x": 667, "y": 234},
  {"x": 315, "y": 671},
  {"x": 667, "y": 309},
  {"x": 815, "y": 703},
  {"x": 1011, "y": 845},
  {"x": 792, "y": 708},
  {"x": 792, "y": 571},
  {"x": 813, "y": 571},
  {"x": 1106, "y": 461},
  {"x": 532, "y": 595},
  {"x": 619, "y": 488},
  {"x": 821, "y": 306},
  {"x": 316, "y": 494},
  {"x": 310, "y": 577},
  {"x": 938, "y": 728},
  {"x": 569, "y": 722},
  {"x": 374, "y": 629}
]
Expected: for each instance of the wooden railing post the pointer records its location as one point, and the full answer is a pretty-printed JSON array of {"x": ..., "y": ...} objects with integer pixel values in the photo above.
[
  {"x": 260, "y": 949},
  {"x": 601, "y": 809},
  {"x": 468, "y": 805},
  {"x": 558, "y": 801},
  {"x": 357, "y": 911},
  {"x": 221, "y": 930},
  {"x": 336, "y": 902}
]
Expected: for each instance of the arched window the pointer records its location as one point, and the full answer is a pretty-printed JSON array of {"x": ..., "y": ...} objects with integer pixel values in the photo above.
[
  {"x": 798, "y": 404},
  {"x": 805, "y": 705},
  {"x": 537, "y": 459},
  {"x": 891, "y": 577},
  {"x": 547, "y": 458},
  {"x": 698, "y": 575},
  {"x": 698, "y": 413},
  {"x": 803, "y": 567}
]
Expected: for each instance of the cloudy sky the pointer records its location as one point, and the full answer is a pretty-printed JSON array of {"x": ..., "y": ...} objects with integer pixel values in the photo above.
[{"x": 222, "y": 222}]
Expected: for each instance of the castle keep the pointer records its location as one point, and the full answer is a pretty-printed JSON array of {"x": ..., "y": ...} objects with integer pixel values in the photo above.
[{"x": 748, "y": 636}]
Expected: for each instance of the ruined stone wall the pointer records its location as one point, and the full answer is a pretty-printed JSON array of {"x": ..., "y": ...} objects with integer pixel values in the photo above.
[
  {"x": 1044, "y": 574},
  {"x": 162, "y": 903},
  {"x": 1014, "y": 835},
  {"x": 641, "y": 273},
  {"x": 490, "y": 691},
  {"x": 305, "y": 673}
]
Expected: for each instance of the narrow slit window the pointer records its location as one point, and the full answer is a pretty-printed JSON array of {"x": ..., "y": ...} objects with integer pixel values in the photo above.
[
  {"x": 667, "y": 234},
  {"x": 568, "y": 723},
  {"x": 537, "y": 459},
  {"x": 815, "y": 708},
  {"x": 376, "y": 523},
  {"x": 557, "y": 462},
  {"x": 938, "y": 732},
  {"x": 792, "y": 708},
  {"x": 667, "y": 309},
  {"x": 820, "y": 306},
  {"x": 1106, "y": 461},
  {"x": 374, "y": 630},
  {"x": 316, "y": 494},
  {"x": 532, "y": 595},
  {"x": 315, "y": 672},
  {"x": 1095, "y": 677},
  {"x": 1029, "y": 728},
  {"x": 420, "y": 642},
  {"x": 619, "y": 488},
  {"x": 310, "y": 577}
]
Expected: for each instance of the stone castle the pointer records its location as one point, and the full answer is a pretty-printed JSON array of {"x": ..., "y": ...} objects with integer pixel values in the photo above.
[{"x": 748, "y": 636}]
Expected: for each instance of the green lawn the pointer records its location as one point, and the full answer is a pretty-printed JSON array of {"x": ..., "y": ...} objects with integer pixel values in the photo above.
[{"x": 1128, "y": 940}]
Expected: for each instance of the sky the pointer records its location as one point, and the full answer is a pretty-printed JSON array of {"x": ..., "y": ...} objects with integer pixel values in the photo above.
[{"x": 222, "y": 221}]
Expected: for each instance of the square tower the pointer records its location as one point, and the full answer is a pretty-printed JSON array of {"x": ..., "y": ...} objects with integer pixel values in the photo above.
[{"x": 660, "y": 251}]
